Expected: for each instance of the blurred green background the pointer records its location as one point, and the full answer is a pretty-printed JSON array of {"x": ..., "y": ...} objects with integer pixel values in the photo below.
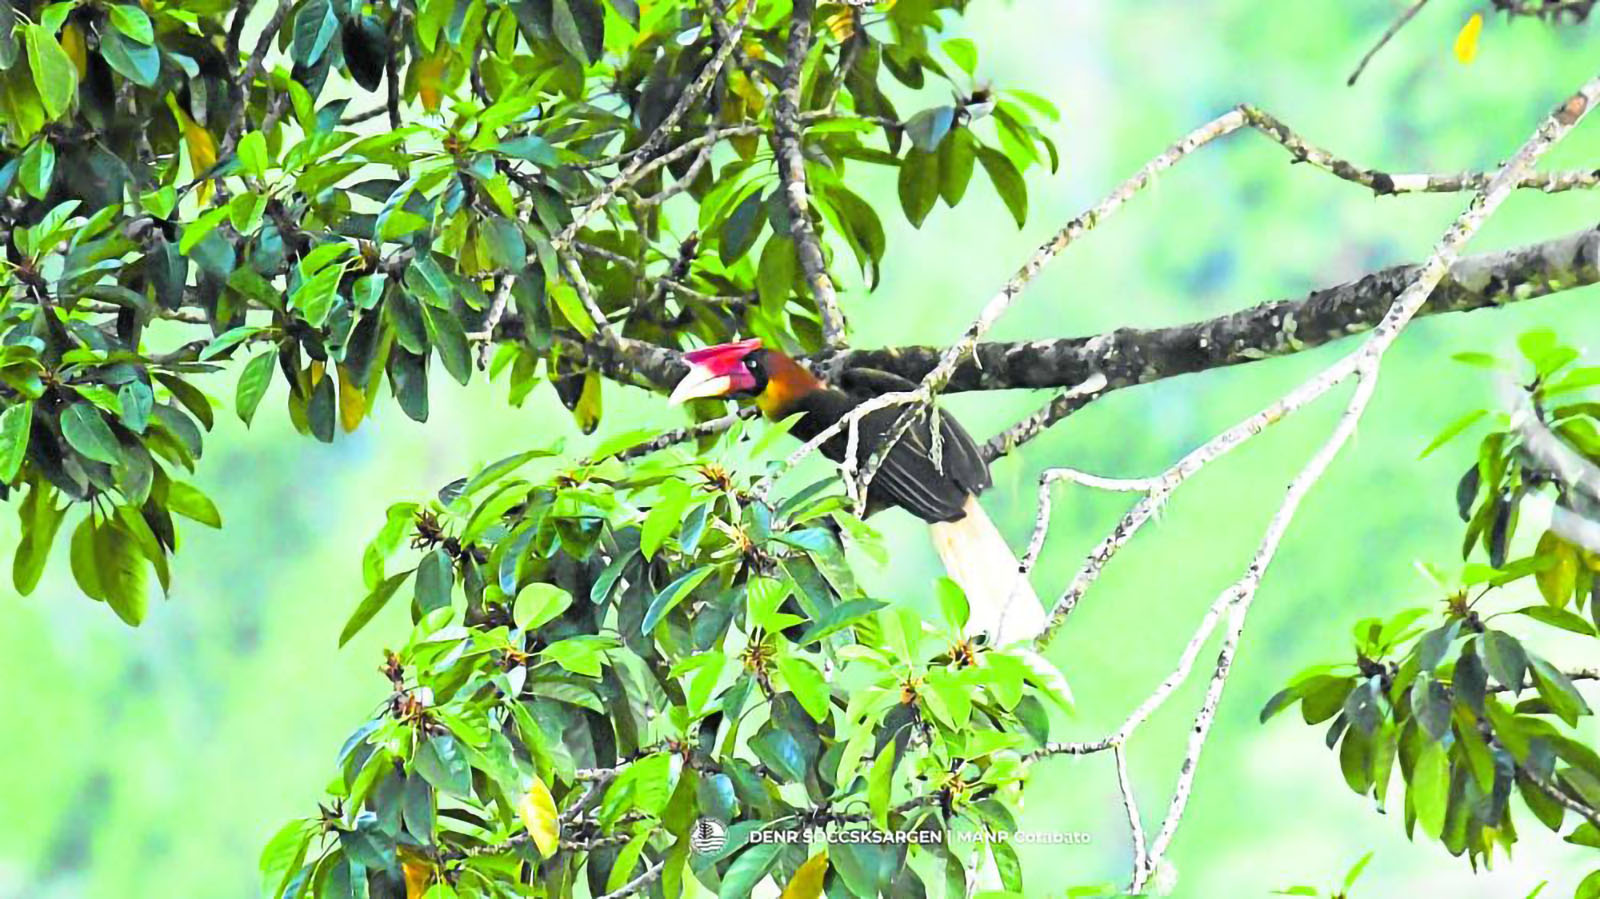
[{"x": 156, "y": 762}]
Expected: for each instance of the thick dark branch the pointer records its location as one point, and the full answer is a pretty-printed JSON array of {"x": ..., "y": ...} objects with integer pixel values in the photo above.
[{"x": 1130, "y": 356}]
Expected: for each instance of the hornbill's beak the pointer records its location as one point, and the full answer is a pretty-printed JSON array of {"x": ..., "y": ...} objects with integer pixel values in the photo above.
[{"x": 715, "y": 371}]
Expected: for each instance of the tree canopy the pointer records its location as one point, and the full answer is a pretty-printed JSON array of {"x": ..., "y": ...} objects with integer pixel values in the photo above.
[{"x": 609, "y": 651}]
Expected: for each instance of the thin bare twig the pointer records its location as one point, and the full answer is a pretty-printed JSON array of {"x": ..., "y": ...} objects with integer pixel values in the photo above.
[
  {"x": 1364, "y": 365},
  {"x": 1388, "y": 34}
]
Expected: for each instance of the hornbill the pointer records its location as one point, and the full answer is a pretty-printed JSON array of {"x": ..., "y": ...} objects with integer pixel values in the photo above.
[{"x": 1003, "y": 604}]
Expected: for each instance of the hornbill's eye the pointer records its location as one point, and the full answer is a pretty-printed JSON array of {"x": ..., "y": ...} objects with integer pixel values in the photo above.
[{"x": 752, "y": 365}]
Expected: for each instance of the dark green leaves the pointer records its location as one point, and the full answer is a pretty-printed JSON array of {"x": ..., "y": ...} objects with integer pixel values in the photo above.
[
  {"x": 440, "y": 761},
  {"x": 121, "y": 571},
  {"x": 748, "y": 869},
  {"x": 85, "y": 429},
  {"x": 253, "y": 384},
  {"x": 435, "y": 578},
  {"x": 1504, "y": 658},
  {"x": 314, "y": 28},
  {"x": 579, "y": 26},
  {"x": 1007, "y": 182},
  {"x": 16, "y": 423},
  {"x": 918, "y": 185},
  {"x": 139, "y": 63},
  {"x": 371, "y": 605},
  {"x": 673, "y": 594},
  {"x": 742, "y": 227}
]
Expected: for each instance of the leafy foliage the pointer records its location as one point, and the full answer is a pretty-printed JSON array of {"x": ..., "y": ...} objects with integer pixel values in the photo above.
[
  {"x": 1471, "y": 713},
  {"x": 604, "y": 655},
  {"x": 159, "y": 178}
]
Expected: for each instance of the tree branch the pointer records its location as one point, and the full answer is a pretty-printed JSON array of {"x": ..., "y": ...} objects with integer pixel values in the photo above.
[{"x": 792, "y": 170}]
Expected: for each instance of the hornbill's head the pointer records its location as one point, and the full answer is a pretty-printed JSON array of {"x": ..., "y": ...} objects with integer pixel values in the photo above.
[{"x": 745, "y": 369}]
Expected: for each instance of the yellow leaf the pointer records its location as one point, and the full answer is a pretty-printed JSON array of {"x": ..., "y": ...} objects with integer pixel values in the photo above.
[
  {"x": 430, "y": 81},
  {"x": 842, "y": 24},
  {"x": 1467, "y": 39},
  {"x": 587, "y": 411},
  {"x": 418, "y": 875},
  {"x": 538, "y": 812},
  {"x": 202, "y": 151},
  {"x": 352, "y": 401},
  {"x": 1557, "y": 579},
  {"x": 807, "y": 880},
  {"x": 77, "y": 51}
]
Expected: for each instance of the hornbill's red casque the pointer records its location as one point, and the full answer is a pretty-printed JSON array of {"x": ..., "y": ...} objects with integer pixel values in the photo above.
[{"x": 977, "y": 557}]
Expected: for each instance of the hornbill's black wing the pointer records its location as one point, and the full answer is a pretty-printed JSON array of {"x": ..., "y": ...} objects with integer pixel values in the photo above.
[{"x": 909, "y": 478}]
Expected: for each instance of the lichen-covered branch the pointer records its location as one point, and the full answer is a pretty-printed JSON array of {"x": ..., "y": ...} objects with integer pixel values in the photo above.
[{"x": 792, "y": 172}]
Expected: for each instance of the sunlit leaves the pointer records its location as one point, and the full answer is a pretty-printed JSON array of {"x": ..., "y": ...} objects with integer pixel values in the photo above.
[
  {"x": 54, "y": 75},
  {"x": 537, "y": 810},
  {"x": 16, "y": 424}
]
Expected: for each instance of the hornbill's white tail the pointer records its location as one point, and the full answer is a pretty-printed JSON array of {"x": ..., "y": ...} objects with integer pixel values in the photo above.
[{"x": 978, "y": 558}]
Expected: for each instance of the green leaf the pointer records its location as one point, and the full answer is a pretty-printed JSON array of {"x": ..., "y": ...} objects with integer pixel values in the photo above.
[
  {"x": 807, "y": 685},
  {"x": 742, "y": 227},
  {"x": 139, "y": 63},
  {"x": 1430, "y": 788},
  {"x": 1557, "y": 691},
  {"x": 314, "y": 27},
  {"x": 441, "y": 763},
  {"x": 371, "y": 605},
  {"x": 664, "y": 517},
  {"x": 283, "y": 854},
  {"x": 85, "y": 567},
  {"x": 1355, "y": 872},
  {"x": 953, "y": 604},
  {"x": 1589, "y": 888},
  {"x": 132, "y": 22},
  {"x": 54, "y": 74},
  {"x": 918, "y": 185},
  {"x": 40, "y": 520},
  {"x": 253, "y": 383},
  {"x": 86, "y": 430},
  {"x": 776, "y": 272},
  {"x": 252, "y": 153},
  {"x": 1451, "y": 430},
  {"x": 880, "y": 782},
  {"x": 435, "y": 579},
  {"x": 448, "y": 336},
  {"x": 1505, "y": 659},
  {"x": 320, "y": 410},
  {"x": 673, "y": 594},
  {"x": 1007, "y": 182},
  {"x": 196, "y": 230},
  {"x": 957, "y": 158},
  {"x": 188, "y": 501},
  {"x": 38, "y": 169},
  {"x": 121, "y": 570},
  {"x": 962, "y": 52},
  {"x": 538, "y": 603},
  {"x": 579, "y": 27},
  {"x": 16, "y": 423},
  {"x": 748, "y": 869}
]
